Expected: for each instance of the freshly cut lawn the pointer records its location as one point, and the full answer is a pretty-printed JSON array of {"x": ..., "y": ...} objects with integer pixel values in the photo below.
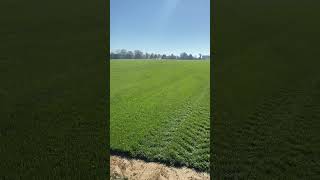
[{"x": 160, "y": 110}]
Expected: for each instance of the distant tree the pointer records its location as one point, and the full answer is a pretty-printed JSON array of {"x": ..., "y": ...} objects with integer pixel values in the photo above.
[
  {"x": 123, "y": 53},
  {"x": 115, "y": 55},
  {"x": 138, "y": 54},
  {"x": 147, "y": 56},
  {"x": 184, "y": 55},
  {"x": 129, "y": 55},
  {"x": 172, "y": 56},
  {"x": 112, "y": 55}
]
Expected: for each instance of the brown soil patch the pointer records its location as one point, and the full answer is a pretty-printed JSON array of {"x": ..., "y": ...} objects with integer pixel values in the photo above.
[{"x": 132, "y": 169}]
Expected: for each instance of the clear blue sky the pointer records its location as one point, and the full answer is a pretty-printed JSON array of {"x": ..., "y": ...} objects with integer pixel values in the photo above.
[{"x": 160, "y": 26}]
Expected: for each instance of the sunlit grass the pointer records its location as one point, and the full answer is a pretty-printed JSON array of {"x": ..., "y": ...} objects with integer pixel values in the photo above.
[{"x": 160, "y": 110}]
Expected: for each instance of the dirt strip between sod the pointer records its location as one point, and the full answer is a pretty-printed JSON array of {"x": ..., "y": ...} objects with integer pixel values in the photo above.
[{"x": 134, "y": 169}]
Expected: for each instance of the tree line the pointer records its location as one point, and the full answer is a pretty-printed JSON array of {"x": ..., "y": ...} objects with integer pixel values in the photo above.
[{"x": 137, "y": 54}]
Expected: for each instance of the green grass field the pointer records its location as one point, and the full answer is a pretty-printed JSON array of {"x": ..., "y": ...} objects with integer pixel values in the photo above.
[
  {"x": 267, "y": 84},
  {"x": 160, "y": 111}
]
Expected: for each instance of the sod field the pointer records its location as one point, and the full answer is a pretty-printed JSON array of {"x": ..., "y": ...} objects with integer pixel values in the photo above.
[
  {"x": 160, "y": 111},
  {"x": 267, "y": 90}
]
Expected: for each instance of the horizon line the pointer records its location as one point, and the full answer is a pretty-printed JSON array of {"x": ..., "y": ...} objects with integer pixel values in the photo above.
[{"x": 149, "y": 52}]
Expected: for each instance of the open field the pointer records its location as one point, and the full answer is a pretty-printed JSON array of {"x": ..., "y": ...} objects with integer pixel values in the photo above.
[
  {"x": 160, "y": 111},
  {"x": 267, "y": 91}
]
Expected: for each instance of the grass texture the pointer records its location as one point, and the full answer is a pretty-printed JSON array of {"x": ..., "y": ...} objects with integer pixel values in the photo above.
[
  {"x": 160, "y": 111},
  {"x": 53, "y": 90},
  {"x": 267, "y": 84}
]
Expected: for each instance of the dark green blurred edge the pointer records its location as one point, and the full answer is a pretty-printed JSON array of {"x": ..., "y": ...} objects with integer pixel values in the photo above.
[
  {"x": 262, "y": 45},
  {"x": 212, "y": 94},
  {"x": 54, "y": 90}
]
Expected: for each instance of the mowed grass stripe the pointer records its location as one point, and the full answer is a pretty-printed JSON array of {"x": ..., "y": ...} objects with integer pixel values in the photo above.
[
  {"x": 153, "y": 104},
  {"x": 145, "y": 104},
  {"x": 181, "y": 137}
]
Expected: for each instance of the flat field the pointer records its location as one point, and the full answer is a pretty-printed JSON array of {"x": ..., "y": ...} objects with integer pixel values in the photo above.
[{"x": 160, "y": 111}]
